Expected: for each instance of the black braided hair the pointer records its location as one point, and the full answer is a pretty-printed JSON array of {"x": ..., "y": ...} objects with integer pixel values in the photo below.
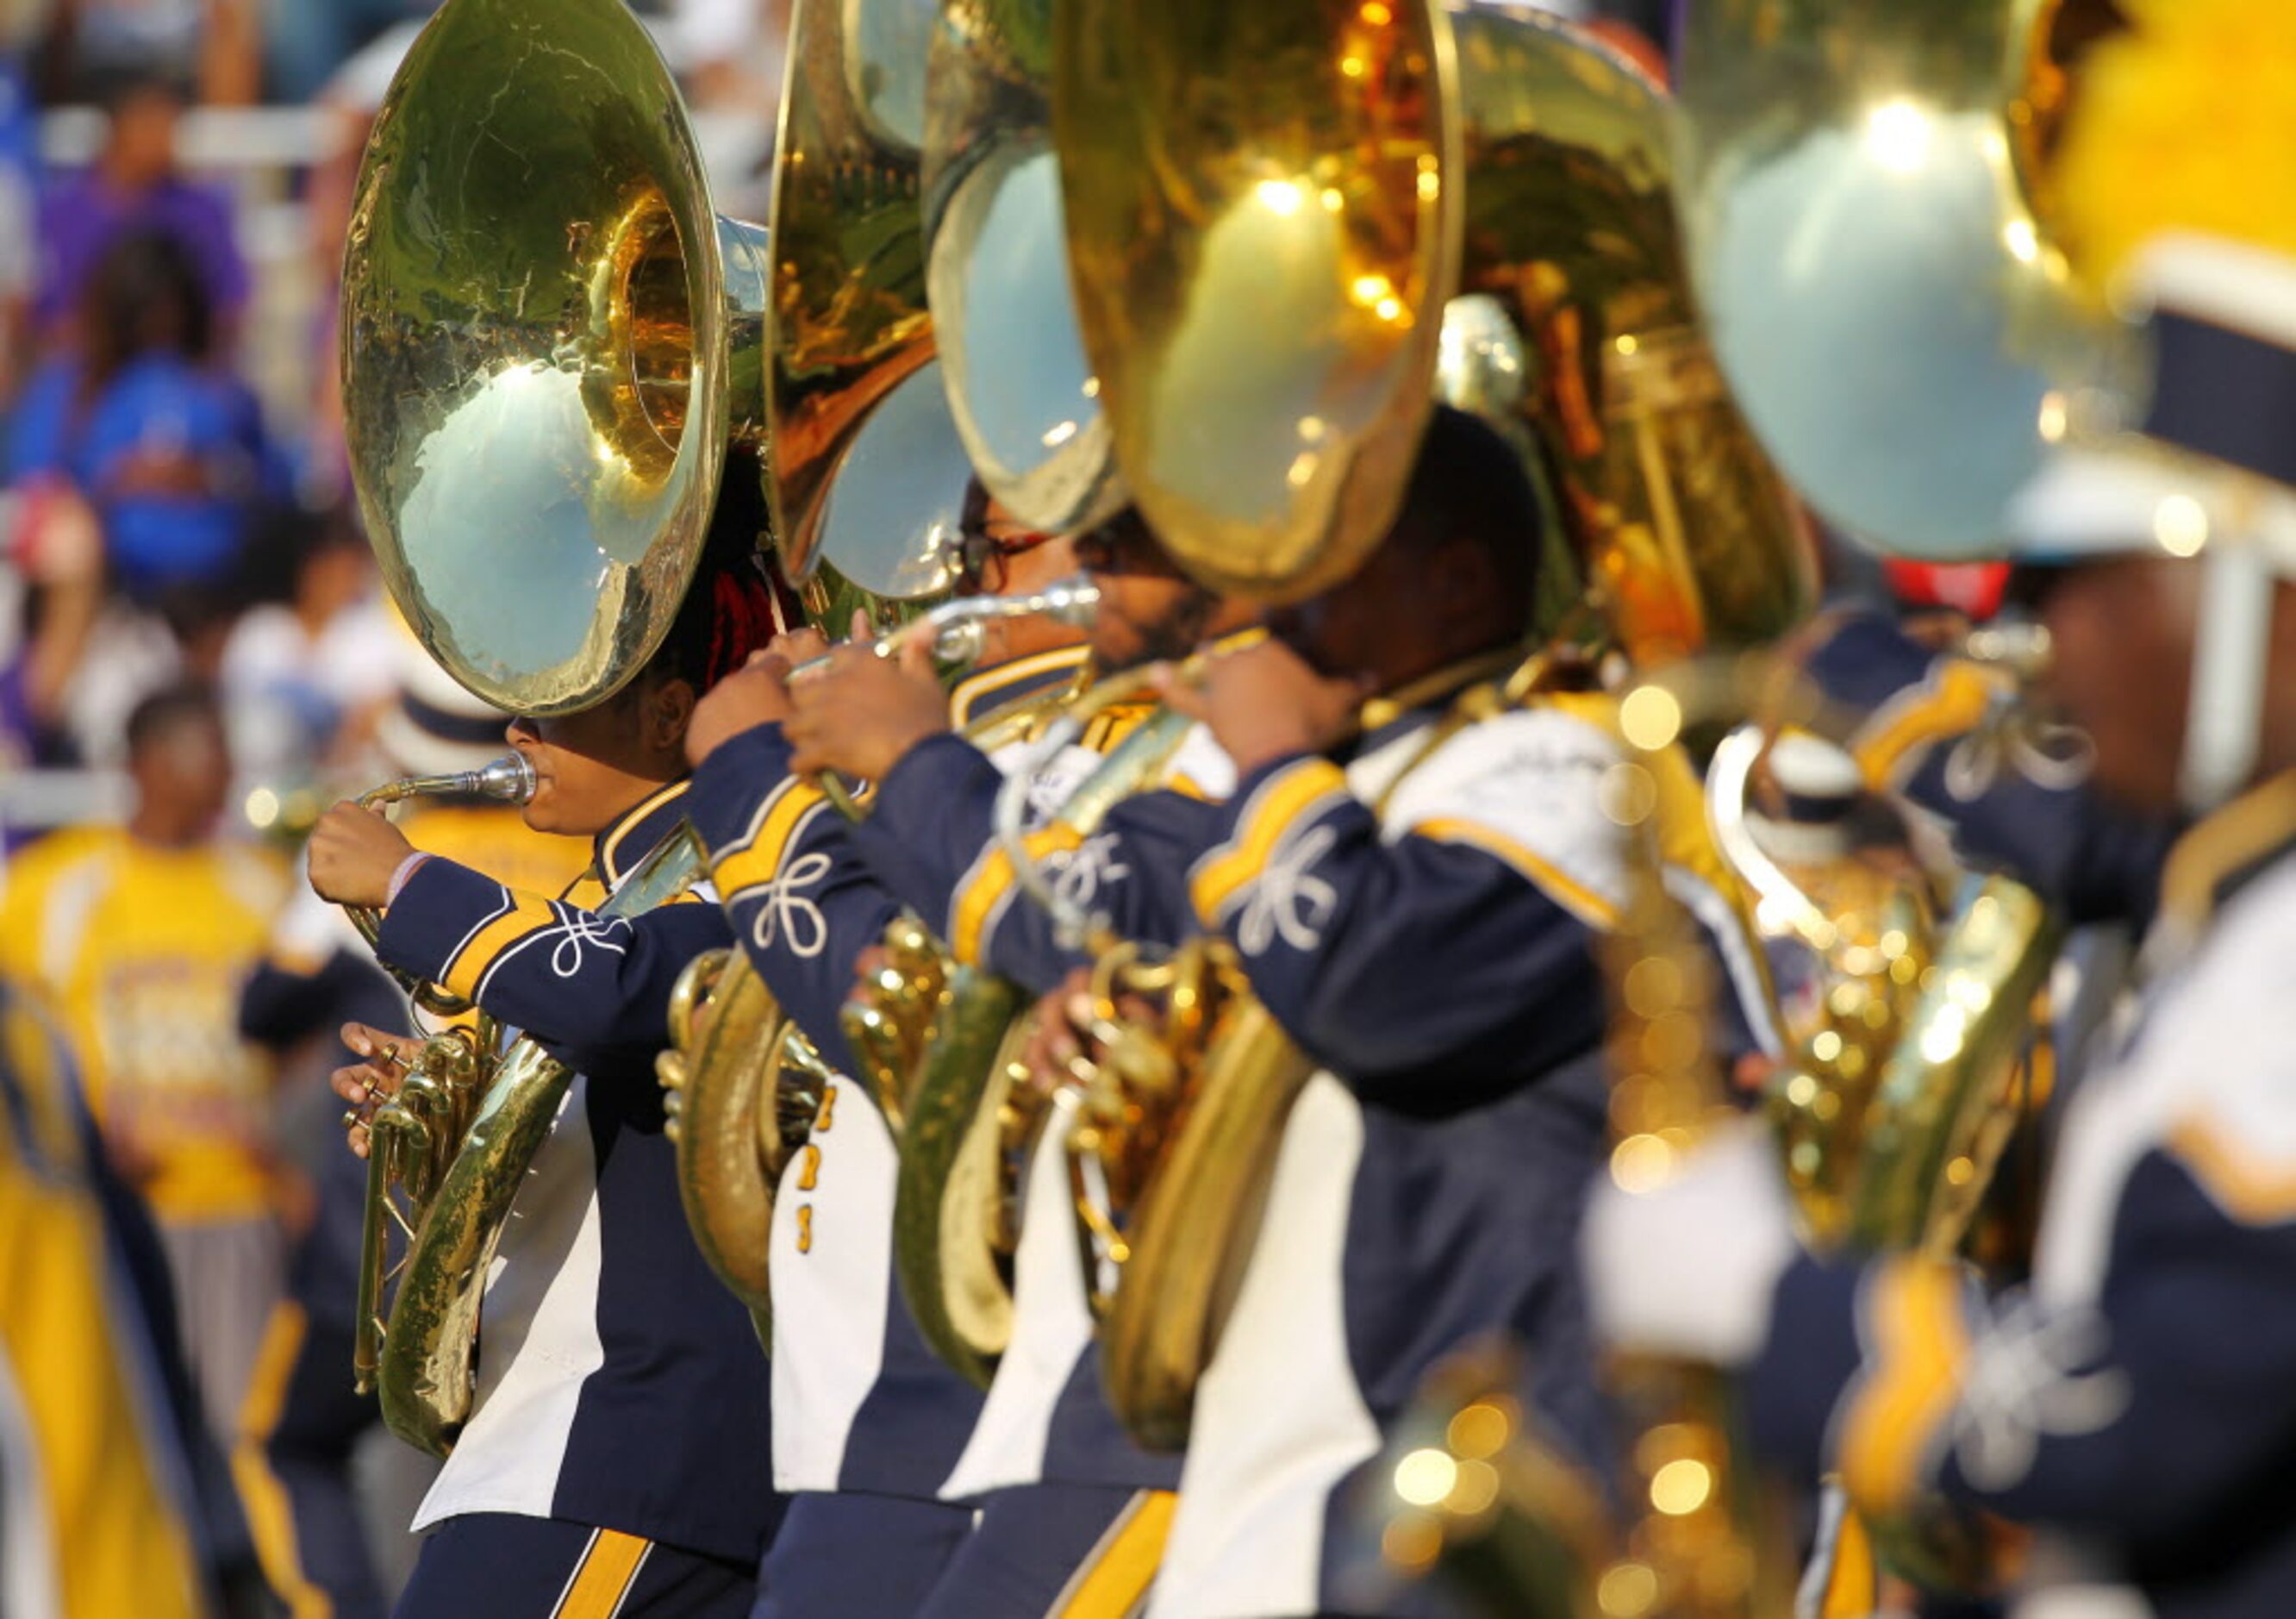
[{"x": 738, "y": 600}]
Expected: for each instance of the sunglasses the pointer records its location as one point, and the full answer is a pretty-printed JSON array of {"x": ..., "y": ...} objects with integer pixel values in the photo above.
[{"x": 985, "y": 551}]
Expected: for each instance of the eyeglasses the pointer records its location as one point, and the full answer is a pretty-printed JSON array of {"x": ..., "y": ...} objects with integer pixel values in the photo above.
[{"x": 985, "y": 550}]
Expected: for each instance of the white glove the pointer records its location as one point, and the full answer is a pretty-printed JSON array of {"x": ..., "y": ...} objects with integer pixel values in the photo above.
[{"x": 1687, "y": 1269}]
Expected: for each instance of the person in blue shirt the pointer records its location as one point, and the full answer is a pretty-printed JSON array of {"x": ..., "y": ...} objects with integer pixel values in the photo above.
[{"x": 167, "y": 446}]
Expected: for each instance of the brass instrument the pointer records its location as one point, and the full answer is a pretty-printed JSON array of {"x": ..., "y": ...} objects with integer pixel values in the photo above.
[
  {"x": 971, "y": 1119},
  {"x": 1413, "y": 203},
  {"x": 998, "y": 283},
  {"x": 456, "y": 1140},
  {"x": 509, "y": 780},
  {"x": 545, "y": 329},
  {"x": 550, "y": 344},
  {"x": 1892, "y": 1110},
  {"x": 1388, "y": 163},
  {"x": 1867, "y": 190},
  {"x": 744, "y": 1082}
]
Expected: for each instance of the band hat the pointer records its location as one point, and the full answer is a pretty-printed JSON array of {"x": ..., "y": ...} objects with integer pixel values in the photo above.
[
  {"x": 2211, "y": 459},
  {"x": 435, "y": 727}
]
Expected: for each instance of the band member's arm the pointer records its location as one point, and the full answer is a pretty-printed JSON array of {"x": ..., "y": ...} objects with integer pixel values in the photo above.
[
  {"x": 933, "y": 837},
  {"x": 577, "y": 980},
  {"x": 2146, "y": 1418},
  {"x": 803, "y": 904},
  {"x": 1924, "y": 739},
  {"x": 1464, "y": 946}
]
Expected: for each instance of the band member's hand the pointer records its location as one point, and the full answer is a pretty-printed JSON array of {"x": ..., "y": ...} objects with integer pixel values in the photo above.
[
  {"x": 754, "y": 694},
  {"x": 1265, "y": 703},
  {"x": 369, "y": 1083},
  {"x": 861, "y": 714},
  {"x": 354, "y": 854},
  {"x": 1687, "y": 1267},
  {"x": 1059, "y": 1050}
]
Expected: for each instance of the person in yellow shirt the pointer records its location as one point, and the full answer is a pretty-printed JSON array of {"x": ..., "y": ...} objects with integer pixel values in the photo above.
[
  {"x": 97, "y": 1511},
  {"x": 140, "y": 936}
]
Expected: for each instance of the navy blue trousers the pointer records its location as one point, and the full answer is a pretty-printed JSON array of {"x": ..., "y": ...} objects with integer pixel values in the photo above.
[{"x": 491, "y": 1565}]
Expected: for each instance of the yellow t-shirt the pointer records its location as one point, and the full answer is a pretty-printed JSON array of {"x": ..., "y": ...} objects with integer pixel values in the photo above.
[
  {"x": 143, "y": 951},
  {"x": 496, "y": 840},
  {"x": 101, "y": 1534}
]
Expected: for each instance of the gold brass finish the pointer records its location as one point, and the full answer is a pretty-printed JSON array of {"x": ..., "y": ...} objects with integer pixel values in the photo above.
[
  {"x": 744, "y": 1082},
  {"x": 1184, "y": 1136},
  {"x": 508, "y": 780},
  {"x": 1262, "y": 231},
  {"x": 548, "y": 342},
  {"x": 458, "y": 1144},
  {"x": 867, "y": 472},
  {"x": 742, "y": 1086},
  {"x": 1866, "y": 184},
  {"x": 1684, "y": 528},
  {"x": 997, "y": 273},
  {"x": 972, "y": 1120}
]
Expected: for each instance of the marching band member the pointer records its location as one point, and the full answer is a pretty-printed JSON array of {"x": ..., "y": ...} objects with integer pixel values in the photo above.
[
  {"x": 302, "y": 1420},
  {"x": 868, "y": 1420},
  {"x": 1048, "y": 1447},
  {"x": 1418, "y": 905},
  {"x": 2130, "y": 1403},
  {"x": 614, "y": 1459}
]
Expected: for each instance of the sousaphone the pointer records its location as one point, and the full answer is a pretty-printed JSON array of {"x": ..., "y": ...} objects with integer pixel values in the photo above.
[
  {"x": 1276, "y": 212},
  {"x": 549, "y": 344}
]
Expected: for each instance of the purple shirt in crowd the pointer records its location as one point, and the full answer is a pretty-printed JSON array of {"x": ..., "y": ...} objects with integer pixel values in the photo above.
[{"x": 81, "y": 216}]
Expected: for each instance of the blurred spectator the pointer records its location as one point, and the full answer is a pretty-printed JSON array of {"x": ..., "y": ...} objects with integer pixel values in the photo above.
[
  {"x": 19, "y": 167},
  {"x": 732, "y": 51},
  {"x": 168, "y": 447},
  {"x": 141, "y": 936},
  {"x": 212, "y": 47},
  {"x": 51, "y": 596},
  {"x": 134, "y": 185},
  {"x": 297, "y": 673},
  {"x": 307, "y": 41},
  {"x": 109, "y": 1510}
]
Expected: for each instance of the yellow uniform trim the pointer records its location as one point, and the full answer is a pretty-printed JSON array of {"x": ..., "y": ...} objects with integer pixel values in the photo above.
[
  {"x": 1543, "y": 874},
  {"x": 609, "y": 857},
  {"x": 759, "y": 861},
  {"x": 1853, "y": 1585},
  {"x": 1114, "y": 1579},
  {"x": 527, "y": 914},
  {"x": 992, "y": 879},
  {"x": 988, "y": 686},
  {"x": 1280, "y": 801},
  {"x": 1922, "y": 1349},
  {"x": 603, "y": 1579},
  {"x": 270, "y": 1517},
  {"x": 1949, "y": 704},
  {"x": 2247, "y": 1187}
]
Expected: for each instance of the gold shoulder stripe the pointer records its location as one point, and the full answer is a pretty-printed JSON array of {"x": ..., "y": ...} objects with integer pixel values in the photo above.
[
  {"x": 758, "y": 861},
  {"x": 1949, "y": 704},
  {"x": 991, "y": 881},
  {"x": 1920, "y": 1350},
  {"x": 1541, "y": 874},
  {"x": 1283, "y": 800},
  {"x": 527, "y": 914},
  {"x": 2251, "y": 1190}
]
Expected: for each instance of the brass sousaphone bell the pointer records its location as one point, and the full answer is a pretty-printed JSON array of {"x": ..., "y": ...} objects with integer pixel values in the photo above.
[{"x": 549, "y": 343}]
